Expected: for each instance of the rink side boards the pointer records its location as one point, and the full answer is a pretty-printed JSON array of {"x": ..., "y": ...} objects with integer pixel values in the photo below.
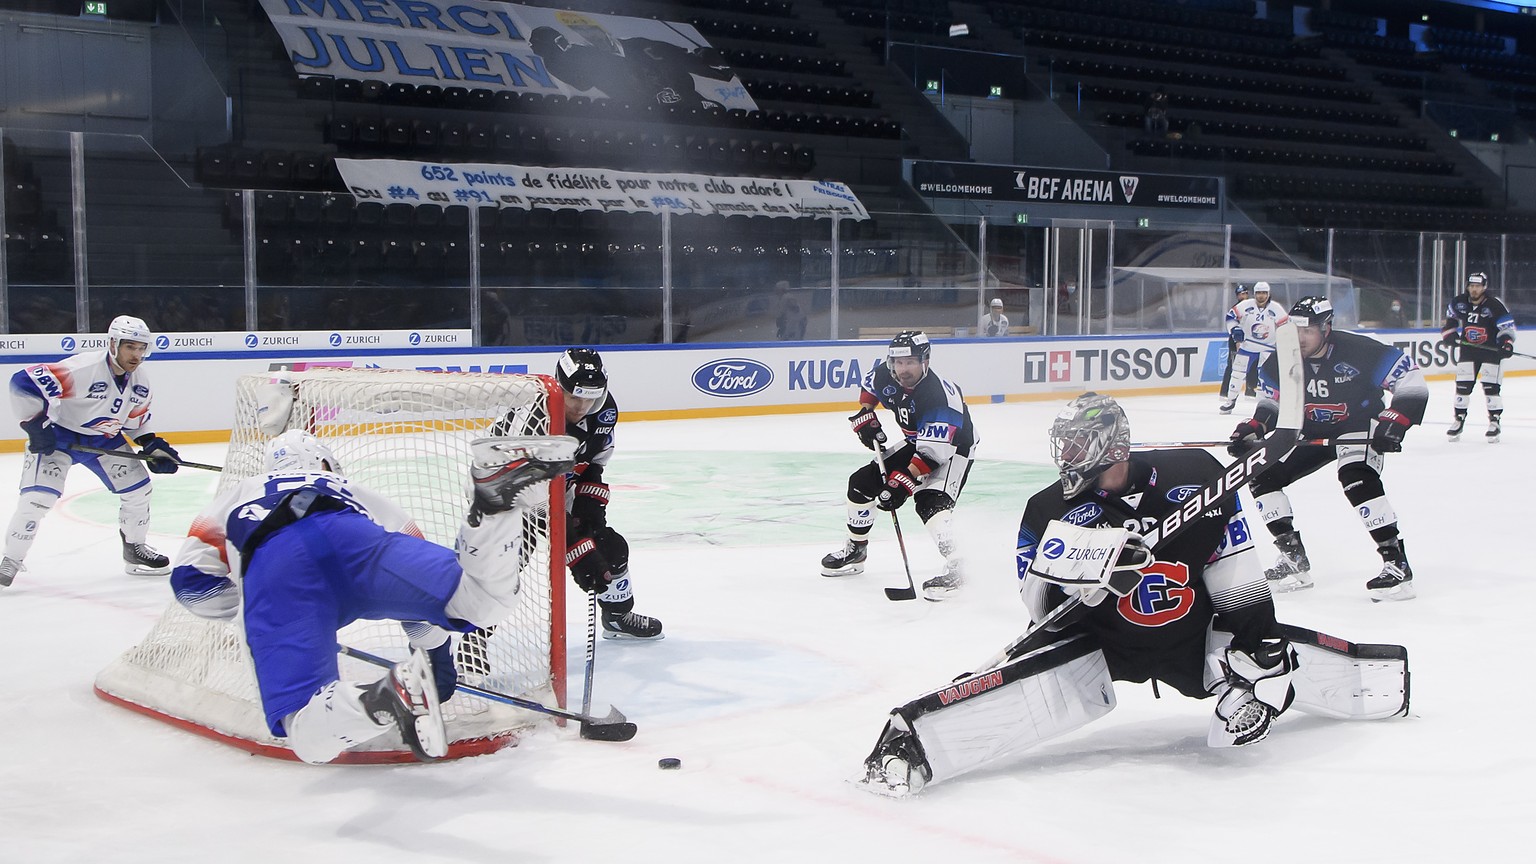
[{"x": 656, "y": 382}]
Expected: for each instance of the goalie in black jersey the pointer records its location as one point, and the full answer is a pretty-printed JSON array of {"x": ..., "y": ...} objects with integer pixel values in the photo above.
[
  {"x": 1189, "y": 609},
  {"x": 938, "y": 443},
  {"x": 596, "y": 554},
  {"x": 1481, "y": 328},
  {"x": 1344, "y": 376}
]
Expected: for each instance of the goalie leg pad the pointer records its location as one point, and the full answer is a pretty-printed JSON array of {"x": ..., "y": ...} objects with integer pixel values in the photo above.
[
  {"x": 982, "y": 718},
  {"x": 332, "y": 721},
  {"x": 1348, "y": 681},
  {"x": 490, "y": 554}
]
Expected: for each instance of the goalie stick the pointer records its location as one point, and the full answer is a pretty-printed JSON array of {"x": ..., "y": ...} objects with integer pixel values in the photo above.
[
  {"x": 1276, "y": 444},
  {"x": 909, "y": 592},
  {"x": 1200, "y": 445},
  {"x": 128, "y": 454},
  {"x": 613, "y": 727}
]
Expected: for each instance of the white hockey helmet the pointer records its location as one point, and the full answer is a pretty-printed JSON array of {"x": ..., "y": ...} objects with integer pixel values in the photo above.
[
  {"x": 297, "y": 450},
  {"x": 1260, "y": 288},
  {"x": 127, "y": 327}
]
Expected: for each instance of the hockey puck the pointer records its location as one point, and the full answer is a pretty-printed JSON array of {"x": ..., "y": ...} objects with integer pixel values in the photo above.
[{"x": 669, "y": 763}]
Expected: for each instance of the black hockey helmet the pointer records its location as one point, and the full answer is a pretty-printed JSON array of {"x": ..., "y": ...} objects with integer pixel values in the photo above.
[
  {"x": 1477, "y": 279},
  {"x": 909, "y": 343},
  {"x": 1313, "y": 312},
  {"x": 580, "y": 373}
]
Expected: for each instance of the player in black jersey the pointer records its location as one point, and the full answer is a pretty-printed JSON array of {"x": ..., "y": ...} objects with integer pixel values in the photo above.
[
  {"x": 1481, "y": 327},
  {"x": 930, "y": 466},
  {"x": 1345, "y": 375},
  {"x": 1193, "y": 612},
  {"x": 596, "y": 554}
]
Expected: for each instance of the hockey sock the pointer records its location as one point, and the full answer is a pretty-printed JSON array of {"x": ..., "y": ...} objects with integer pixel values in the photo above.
[
  {"x": 133, "y": 514},
  {"x": 861, "y": 517},
  {"x": 31, "y": 507}
]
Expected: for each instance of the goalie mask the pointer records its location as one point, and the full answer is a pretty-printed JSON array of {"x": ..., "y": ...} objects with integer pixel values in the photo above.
[
  {"x": 298, "y": 451},
  {"x": 585, "y": 382},
  {"x": 1087, "y": 437}
]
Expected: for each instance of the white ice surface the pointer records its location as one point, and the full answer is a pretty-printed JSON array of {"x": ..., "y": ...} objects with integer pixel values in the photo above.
[{"x": 773, "y": 683}]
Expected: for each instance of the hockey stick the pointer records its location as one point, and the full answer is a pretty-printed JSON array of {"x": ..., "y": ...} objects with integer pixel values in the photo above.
[
  {"x": 1237, "y": 475},
  {"x": 586, "y": 688},
  {"x": 1195, "y": 445},
  {"x": 610, "y": 728},
  {"x": 128, "y": 454},
  {"x": 1462, "y": 343},
  {"x": 909, "y": 592}
]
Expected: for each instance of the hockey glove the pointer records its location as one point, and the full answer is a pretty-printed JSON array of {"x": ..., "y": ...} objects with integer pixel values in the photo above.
[
  {"x": 1447, "y": 337},
  {"x": 867, "y": 426},
  {"x": 900, "y": 483},
  {"x": 589, "y": 508},
  {"x": 444, "y": 675},
  {"x": 1245, "y": 438},
  {"x": 42, "y": 438},
  {"x": 1390, "y": 429},
  {"x": 1506, "y": 347},
  {"x": 1237, "y": 335},
  {"x": 588, "y": 567},
  {"x": 163, "y": 457}
]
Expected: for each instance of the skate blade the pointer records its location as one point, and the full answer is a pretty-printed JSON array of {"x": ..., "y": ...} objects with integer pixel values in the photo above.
[
  {"x": 851, "y": 570},
  {"x": 1404, "y": 591},
  {"x": 136, "y": 570},
  {"x": 878, "y": 786}
]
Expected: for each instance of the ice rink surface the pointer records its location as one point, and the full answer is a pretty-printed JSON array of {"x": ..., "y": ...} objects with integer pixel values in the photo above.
[{"x": 773, "y": 683}]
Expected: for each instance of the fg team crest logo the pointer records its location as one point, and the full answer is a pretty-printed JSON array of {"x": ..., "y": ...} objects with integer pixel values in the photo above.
[
  {"x": 1162, "y": 597},
  {"x": 1128, "y": 187}
]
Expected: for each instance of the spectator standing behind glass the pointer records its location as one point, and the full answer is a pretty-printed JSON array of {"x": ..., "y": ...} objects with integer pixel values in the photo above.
[
  {"x": 994, "y": 323},
  {"x": 792, "y": 319},
  {"x": 1155, "y": 120}
]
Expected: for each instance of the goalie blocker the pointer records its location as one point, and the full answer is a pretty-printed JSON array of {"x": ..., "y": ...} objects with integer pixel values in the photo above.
[{"x": 1065, "y": 684}]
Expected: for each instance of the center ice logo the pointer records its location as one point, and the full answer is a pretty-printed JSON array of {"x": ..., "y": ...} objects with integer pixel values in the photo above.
[{"x": 732, "y": 377}]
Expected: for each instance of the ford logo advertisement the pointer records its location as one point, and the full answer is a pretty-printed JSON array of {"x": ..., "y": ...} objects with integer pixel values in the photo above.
[{"x": 732, "y": 377}]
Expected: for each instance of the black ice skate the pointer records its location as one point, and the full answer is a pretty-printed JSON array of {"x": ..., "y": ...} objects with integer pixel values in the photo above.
[
  {"x": 942, "y": 586},
  {"x": 1292, "y": 572},
  {"x": 1227, "y": 405},
  {"x": 631, "y": 626},
  {"x": 849, "y": 561},
  {"x": 1395, "y": 582},
  {"x": 141, "y": 560},
  {"x": 1492, "y": 435},
  {"x": 8, "y": 570},
  {"x": 1457, "y": 425},
  {"x": 407, "y": 698}
]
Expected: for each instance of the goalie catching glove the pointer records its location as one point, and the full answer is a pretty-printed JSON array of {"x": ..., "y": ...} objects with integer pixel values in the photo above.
[
  {"x": 1094, "y": 562},
  {"x": 867, "y": 426},
  {"x": 1257, "y": 690},
  {"x": 900, "y": 483},
  {"x": 163, "y": 458}
]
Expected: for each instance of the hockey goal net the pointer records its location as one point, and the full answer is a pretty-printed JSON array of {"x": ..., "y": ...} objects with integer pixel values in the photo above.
[{"x": 405, "y": 434}]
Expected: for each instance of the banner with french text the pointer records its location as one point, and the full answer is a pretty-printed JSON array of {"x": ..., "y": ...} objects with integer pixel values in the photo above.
[
  {"x": 527, "y": 188},
  {"x": 973, "y": 182},
  {"x": 477, "y": 44}
]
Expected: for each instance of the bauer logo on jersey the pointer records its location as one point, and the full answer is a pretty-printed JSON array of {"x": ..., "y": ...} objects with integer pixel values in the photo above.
[
  {"x": 1179, "y": 493},
  {"x": 1162, "y": 597},
  {"x": 732, "y": 377},
  {"x": 1084, "y": 515}
]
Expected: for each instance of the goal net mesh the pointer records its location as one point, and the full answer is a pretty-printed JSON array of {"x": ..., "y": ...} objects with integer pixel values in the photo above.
[{"x": 405, "y": 434}]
